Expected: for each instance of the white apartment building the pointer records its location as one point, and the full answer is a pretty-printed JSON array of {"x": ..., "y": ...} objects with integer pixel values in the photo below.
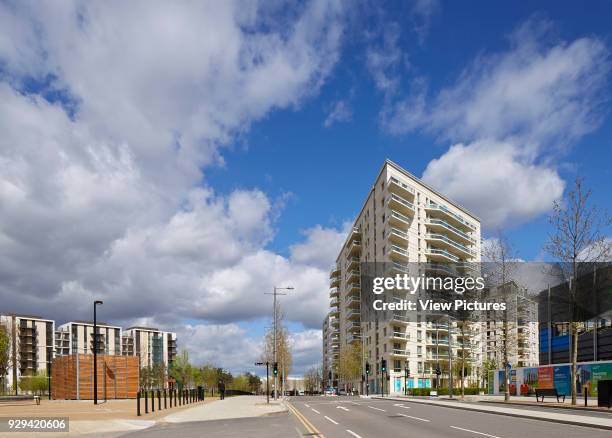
[
  {"x": 331, "y": 347},
  {"x": 77, "y": 337},
  {"x": 151, "y": 345},
  {"x": 402, "y": 222},
  {"x": 522, "y": 329},
  {"x": 31, "y": 346}
]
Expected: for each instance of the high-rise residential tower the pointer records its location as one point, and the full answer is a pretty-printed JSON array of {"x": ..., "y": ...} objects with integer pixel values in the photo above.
[{"x": 402, "y": 222}]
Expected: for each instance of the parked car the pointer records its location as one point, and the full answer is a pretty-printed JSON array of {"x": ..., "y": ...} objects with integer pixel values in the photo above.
[{"x": 330, "y": 392}]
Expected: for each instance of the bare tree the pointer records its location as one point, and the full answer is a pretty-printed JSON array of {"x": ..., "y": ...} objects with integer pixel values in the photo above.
[
  {"x": 501, "y": 256},
  {"x": 577, "y": 238},
  {"x": 284, "y": 356}
]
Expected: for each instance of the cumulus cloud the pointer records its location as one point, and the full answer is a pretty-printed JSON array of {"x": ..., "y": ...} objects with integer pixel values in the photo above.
[
  {"x": 321, "y": 246},
  {"x": 496, "y": 181},
  {"x": 109, "y": 116},
  {"x": 509, "y": 116}
]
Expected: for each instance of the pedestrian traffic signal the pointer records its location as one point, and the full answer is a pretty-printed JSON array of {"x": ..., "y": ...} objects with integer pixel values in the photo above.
[
  {"x": 276, "y": 368},
  {"x": 367, "y": 368},
  {"x": 406, "y": 372},
  {"x": 438, "y": 372},
  {"x": 383, "y": 365}
]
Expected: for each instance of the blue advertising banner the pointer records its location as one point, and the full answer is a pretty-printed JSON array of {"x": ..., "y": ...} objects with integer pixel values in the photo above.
[{"x": 561, "y": 377}]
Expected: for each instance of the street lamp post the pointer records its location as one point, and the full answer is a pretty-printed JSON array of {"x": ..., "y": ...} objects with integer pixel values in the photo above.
[
  {"x": 275, "y": 293},
  {"x": 95, "y": 367}
]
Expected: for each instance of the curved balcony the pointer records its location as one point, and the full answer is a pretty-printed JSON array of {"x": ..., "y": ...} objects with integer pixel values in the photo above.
[
  {"x": 399, "y": 220},
  {"x": 353, "y": 326},
  {"x": 352, "y": 301},
  {"x": 334, "y": 271},
  {"x": 443, "y": 212},
  {"x": 334, "y": 302},
  {"x": 353, "y": 337},
  {"x": 400, "y": 352},
  {"x": 334, "y": 312},
  {"x": 352, "y": 262},
  {"x": 444, "y": 226},
  {"x": 352, "y": 275},
  {"x": 353, "y": 314},
  {"x": 440, "y": 255},
  {"x": 399, "y": 336},
  {"x": 354, "y": 286},
  {"x": 448, "y": 243},
  {"x": 355, "y": 247},
  {"x": 398, "y": 203},
  {"x": 397, "y": 253},
  {"x": 334, "y": 282},
  {"x": 398, "y": 236},
  {"x": 334, "y": 292},
  {"x": 394, "y": 185}
]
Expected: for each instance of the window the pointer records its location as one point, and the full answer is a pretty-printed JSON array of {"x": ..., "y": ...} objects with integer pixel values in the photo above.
[
  {"x": 385, "y": 331},
  {"x": 419, "y": 335},
  {"x": 397, "y": 366},
  {"x": 420, "y": 367},
  {"x": 419, "y": 350}
]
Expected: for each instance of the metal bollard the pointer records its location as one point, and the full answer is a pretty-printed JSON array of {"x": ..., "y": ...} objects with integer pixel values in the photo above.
[
  {"x": 158, "y": 400},
  {"x": 165, "y": 406},
  {"x": 152, "y": 401},
  {"x": 586, "y": 396},
  {"x": 146, "y": 402},
  {"x": 138, "y": 403},
  {"x": 180, "y": 398}
]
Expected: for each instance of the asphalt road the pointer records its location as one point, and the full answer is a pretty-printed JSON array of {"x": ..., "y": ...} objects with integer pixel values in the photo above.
[
  {"x": 362, "y": 418},
  {"x": 282, "y": 425}
]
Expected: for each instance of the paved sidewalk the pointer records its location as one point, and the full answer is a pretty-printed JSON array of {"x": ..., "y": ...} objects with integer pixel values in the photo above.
[
  {"x": 232, "y": 407},
  {"x": 574, "y": 418}
]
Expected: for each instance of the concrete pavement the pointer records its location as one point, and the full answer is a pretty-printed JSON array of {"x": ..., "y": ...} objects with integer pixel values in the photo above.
[
  {"x": 232, "y": 407},
  {"x": 598, "y": 419}
]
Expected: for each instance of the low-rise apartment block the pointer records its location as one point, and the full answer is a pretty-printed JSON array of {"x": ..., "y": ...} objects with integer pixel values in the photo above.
[
  {"x": 81, "y": 338},
  {"x": 151, "y": 345},
  {"x": 31, "y": 346}
]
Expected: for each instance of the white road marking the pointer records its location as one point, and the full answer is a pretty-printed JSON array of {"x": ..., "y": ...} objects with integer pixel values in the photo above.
[
  {"x": 342, "y": 407},
  {"x": 473, "y": 431},
  {"x": 307, "y": 405},
  {"x": 399, "y": 405},
  {"x": 314, "y": 410},
  {"x": 415, "y": 418},
  {"x": 331, "y": 420},
  {"x": 378, "y": 409},
  {"x": 353, "y": 433}
]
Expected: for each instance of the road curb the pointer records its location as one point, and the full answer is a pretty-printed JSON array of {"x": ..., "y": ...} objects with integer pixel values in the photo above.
[
  {"x": 550, "y": 420},
  {"x": 588, "y": 408}
]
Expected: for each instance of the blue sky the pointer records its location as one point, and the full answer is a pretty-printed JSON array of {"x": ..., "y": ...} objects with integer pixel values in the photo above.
[
  {"x": 328, "y": 170},
  {"x": 179, "y": 160}
]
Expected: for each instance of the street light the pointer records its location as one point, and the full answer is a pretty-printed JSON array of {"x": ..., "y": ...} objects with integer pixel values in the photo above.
[
  {"x": 96, "y": 352},
  {"x": 275, "y": 293}
]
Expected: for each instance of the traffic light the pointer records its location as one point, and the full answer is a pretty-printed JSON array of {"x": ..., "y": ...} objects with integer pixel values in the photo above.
[
  {"x": 276, "y": 368},
  {"x": 367, "y": 368},
  {"x": 407, "y": 372},
  {"x": 330, "y": 375},
  {"x": 438, "y": 372},
  {"x": 383, "y": 365}
]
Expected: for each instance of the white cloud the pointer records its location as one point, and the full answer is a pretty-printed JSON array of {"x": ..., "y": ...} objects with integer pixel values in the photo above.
[
  {"x": 108, "y": 117},
  {"x": 513, "y": 114},
  {"x": 495, "y": 181},
  {"x": 321, "y": 246},
  {"x": 340, "y": 112}
]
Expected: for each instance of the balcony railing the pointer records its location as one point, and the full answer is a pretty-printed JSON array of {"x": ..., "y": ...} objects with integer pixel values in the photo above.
[
  {"x": 400, "y": 352},
  {"x": 396, "y": 234},
  {"x": 451, "y": 242},
  {"x": 457, "y": 231},
  {"x": 401, "y": 335},
  {"x": 399, "y": 219},
  {"x": 353, "y": 313},
  {"x": 442, "y": 253},
  {"x": 446, "y": 210},
  {"x": 403, "y": 186}
]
